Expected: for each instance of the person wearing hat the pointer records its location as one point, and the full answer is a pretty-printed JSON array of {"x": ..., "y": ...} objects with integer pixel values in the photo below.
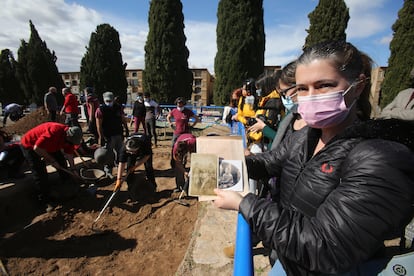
[
  {"x": 135, "y": 152},
  {"x": 70, "y": 107},
  {"x": 110, "y": 123},
  {"x": 181, "y": 116},
  {"x": 50, "y": 144}
]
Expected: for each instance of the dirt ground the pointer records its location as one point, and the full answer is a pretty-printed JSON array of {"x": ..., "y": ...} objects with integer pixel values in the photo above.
[{"x": 148, "y": 238}]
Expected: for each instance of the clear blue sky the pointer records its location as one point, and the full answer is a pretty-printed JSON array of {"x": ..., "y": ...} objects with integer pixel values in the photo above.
[{"x": 66, "y": 26}]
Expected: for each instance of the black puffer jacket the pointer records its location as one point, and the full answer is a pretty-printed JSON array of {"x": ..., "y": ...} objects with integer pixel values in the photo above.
[{"x": 335, "y": 208}]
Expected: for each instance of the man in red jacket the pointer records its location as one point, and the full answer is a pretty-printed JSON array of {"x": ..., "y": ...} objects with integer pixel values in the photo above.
[
  {"x": 50, "y": 143},
  {"x": 70, "y": 107}
]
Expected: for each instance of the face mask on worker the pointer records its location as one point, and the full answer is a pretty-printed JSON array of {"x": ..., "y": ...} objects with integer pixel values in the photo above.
[
  {"x": 180, "y": 108},
  {"x": 288, "y": 102},
  {"x": 249, "y": 100},
  {"x": 259, "y": 92},
  {"x": 324, "y": 110},
  {"x": 109, "y": 103}
]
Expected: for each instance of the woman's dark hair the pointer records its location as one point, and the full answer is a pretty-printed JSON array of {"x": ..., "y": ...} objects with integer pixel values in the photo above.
[
  {"x": 182, "y": 150},
  {"x": 132, "y": 144},
  {"x": 287, "y": 75},
  {"x": 350, "y": 63},
  {"x": 268, "y": 82},
  {"x": 236, "y": 93},
  {"x": 251, "y": 87}
]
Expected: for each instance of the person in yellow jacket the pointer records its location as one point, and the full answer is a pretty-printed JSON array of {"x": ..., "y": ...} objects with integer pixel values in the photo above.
[
  {"x": 247, "y": 106},
  {"x": 270, "y": 108}
]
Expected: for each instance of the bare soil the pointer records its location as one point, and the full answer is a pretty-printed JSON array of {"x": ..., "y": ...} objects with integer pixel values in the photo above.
[{"x": 147, "y": 238}]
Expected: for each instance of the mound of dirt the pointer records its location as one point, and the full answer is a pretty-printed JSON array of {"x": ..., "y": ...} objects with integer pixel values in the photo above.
[{"x": 149, "y": 237}]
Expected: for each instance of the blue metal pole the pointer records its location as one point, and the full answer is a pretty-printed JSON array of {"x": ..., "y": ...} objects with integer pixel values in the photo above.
[{"x": 243, "y": 257}]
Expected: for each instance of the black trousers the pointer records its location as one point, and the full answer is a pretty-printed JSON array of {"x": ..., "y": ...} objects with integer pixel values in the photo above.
[
  {"x": 151, "y": 129},
  {"x": 39, "y": 172},
  {"x": 149, "y": 169},
  {"x": 52, "y": 116}
]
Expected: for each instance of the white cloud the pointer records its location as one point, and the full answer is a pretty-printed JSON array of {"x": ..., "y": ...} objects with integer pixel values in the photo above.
[
  {"x": 385, "y": 40},
  {"x": 201, "y": 42},
  {"x": 65, "y": 28},
  {"x": 365, "y": 18},
  {"x": 284, "y": 42}
]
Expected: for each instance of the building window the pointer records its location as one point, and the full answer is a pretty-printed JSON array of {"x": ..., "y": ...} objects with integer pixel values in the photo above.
[
  {"x": 197, "y": 82},
  {"x": 67, "y": 76},
  {"x": 134, "y": 74},
  {"x": 197, "y": 73},
  {"x": 74, "y": 83},
  {"x": 197, "y": 90},
  {"x": 133, "y": 82}
]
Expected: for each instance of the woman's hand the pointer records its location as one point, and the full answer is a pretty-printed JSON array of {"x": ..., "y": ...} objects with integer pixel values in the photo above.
[
  {"x": 229, "y": 200},
  {"x": 258, "y": 126}
]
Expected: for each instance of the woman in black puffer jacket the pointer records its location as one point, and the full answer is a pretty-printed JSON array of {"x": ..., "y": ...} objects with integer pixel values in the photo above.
[{"x": 347, "y": 183}]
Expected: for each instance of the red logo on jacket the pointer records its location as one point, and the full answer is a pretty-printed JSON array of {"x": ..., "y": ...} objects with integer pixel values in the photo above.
[{"x": 326, "y": 168}]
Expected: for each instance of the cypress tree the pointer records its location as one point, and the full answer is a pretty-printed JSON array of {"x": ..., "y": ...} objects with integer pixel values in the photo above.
[
  {"x": 166, "y": 73},
  {"x": 401, "y": 60},
  {"x": 328, "y": 22},
  {"x": 36, "y": 69},
  {"x": 240, "y": 45},
  {"x": 10, "y": 90},
  {"x": 102, "y": 66}
]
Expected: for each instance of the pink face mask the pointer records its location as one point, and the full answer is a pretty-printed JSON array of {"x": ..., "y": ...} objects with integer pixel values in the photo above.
[{"x": 324, "y": 110}]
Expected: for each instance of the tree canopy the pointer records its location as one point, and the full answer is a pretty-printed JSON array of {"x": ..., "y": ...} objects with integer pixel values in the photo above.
[
  {"x": 36, "y": 68},
  {"x": 102, "y": 66},
  {"x": 240, "y": 46},
  {"x": 401, "y": 60},
  {"x": 166, "y": 75},
  {"x": 10, "y": 91},
  {"x": 328, "y": 22}
]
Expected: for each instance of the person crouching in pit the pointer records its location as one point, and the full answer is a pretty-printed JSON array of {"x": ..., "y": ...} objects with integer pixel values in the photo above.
[{"x": 135, "y": 152}]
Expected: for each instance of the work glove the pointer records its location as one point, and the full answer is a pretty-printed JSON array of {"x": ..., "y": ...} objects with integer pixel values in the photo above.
[{"x": 118, "y": 184}]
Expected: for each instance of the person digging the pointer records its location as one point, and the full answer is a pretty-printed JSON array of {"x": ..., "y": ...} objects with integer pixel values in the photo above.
[
  {"x": 135, "y": 152},
  {"x": 54, "y": 144}
]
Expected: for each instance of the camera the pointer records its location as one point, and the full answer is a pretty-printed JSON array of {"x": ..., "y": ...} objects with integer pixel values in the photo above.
[{"x": 251, "y": 121}]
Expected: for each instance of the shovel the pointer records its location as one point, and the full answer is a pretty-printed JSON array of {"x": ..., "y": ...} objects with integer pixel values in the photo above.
[
  {"x": 116, "y": 189},
  {"x": 185, "y": 188}
]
